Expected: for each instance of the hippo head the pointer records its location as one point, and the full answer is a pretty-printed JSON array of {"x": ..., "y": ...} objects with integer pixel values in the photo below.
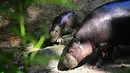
[
  {"x": 76, "y": 52},
  {"x": 60, "y": 23},
  {"x": 55, "y": 34}
]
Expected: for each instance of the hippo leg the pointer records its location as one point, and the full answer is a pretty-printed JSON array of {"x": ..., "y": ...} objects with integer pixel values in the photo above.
[
  {"x": 107, "y": 53},
  {"x": 100, "y": 55},
  {"x": 112, "y": 53}
]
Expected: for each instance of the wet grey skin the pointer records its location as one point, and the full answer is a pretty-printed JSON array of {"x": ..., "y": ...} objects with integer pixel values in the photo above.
[
  {"x": 107, "y": 25},
  {"x": 65, "y": 23}
]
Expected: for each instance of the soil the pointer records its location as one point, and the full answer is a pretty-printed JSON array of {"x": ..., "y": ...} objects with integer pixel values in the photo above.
[{"x": 120, "y": 65}]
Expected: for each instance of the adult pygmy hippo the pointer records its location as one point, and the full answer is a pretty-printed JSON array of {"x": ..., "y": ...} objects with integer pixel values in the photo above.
[
  {"x": 62, "y": 24},
  {"x": 106, "y": 25}
]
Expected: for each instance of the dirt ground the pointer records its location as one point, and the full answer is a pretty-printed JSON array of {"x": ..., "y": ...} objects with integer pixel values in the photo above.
[{"x": 121, "y": 65}]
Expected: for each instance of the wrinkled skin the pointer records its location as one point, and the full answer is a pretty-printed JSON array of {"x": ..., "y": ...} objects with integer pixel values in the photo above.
[
  {"x": 108, "y": 24},
  {"x": 63, "y": 24},
  {"x": 77, "y": 53}
]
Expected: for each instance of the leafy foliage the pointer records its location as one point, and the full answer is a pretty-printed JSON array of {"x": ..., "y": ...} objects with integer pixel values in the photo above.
[
  {"x": 16, "y": 11},
  {"x": 6, "y": 63},
  {"x": 43, "y": 59},
  {"x": 59, "y": 2}
]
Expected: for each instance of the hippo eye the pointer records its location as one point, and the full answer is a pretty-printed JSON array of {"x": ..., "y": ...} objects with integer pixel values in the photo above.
[
  {"x": 57, "y": 28},
  {"x": 77, "y": 40}
]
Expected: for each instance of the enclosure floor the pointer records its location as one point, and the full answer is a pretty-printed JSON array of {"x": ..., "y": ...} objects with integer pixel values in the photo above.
[{"x": 121, "y": 65}]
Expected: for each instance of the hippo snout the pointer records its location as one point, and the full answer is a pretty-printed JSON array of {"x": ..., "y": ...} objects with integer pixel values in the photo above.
[
  {"x": 70, "y": 61},
  {"x": 76, "y": 54}
]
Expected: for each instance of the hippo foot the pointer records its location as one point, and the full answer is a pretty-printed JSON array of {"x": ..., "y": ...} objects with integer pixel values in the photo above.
[
  {"x": 99, "y": 63},
  {"x": 92, "y": 67},
  {"x": 96, "y": 68}
]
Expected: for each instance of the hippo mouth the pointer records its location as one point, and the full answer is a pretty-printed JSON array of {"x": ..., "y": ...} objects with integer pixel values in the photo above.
[
  {"x": 70, "y": 61},
  {"x": 57, "y": 39},
  {"x": 72, "y": 58},
  {"x": 54, "y": 40}
]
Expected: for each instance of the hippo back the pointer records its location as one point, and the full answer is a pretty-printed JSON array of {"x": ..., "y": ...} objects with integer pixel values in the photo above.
[{"x": 107, "y": 23}]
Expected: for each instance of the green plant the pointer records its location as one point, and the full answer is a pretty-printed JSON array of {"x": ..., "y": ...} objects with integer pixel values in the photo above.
[{"x": 18, "y": 16}]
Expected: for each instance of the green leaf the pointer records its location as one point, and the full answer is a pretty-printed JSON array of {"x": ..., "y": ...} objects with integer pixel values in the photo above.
[
  {"x": 3, "y": 8},
  {"x": 43, "y": 36},
  {"x": 40, "y": 42},
  {"x": 58, "y": 2},
  {"x": 30, "y": 38},
  {"x": 15, "y": 30},
  {"x": 43, "y": 59},
  {"x": 28, "y": 2},
  {"x": 21, "y": 18},
  {"x": 19, "y": 72},
  {"x": 44, "y": 29},
  {"x": 37, "y": 46},
  {"x": 6, "y": 59},
  {"x": 11, "y": 14}
]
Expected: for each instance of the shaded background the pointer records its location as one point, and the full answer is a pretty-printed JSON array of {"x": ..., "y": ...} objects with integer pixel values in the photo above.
[{"x": 35, "y": 17}]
